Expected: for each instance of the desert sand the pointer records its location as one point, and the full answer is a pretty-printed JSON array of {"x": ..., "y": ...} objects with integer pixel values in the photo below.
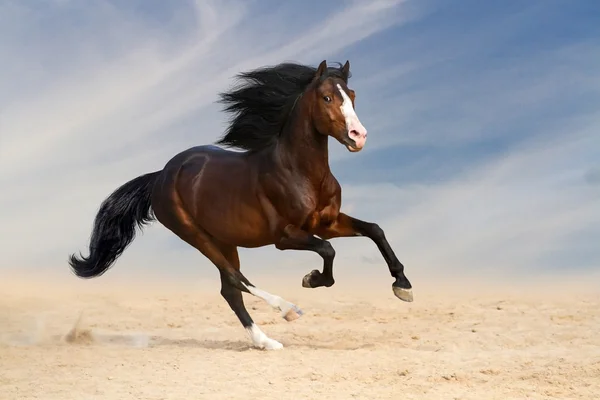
[{"x": 103, "y": 339}]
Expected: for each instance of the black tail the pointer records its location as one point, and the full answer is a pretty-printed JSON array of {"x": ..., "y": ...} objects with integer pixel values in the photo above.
[{"x": 114, "y": 227}]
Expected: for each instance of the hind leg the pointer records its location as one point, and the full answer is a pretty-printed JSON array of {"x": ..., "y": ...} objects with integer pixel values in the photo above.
[
  {"x": 174, "y": 217},
  {"x": 237, "y": 280},
  {"x": 234, "y": 298},
  {"x": 206, "y": 245}
]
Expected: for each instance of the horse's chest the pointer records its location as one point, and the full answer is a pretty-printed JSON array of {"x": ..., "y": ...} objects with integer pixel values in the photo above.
[
  {"x": 318, "y": 211},
  {"x": 302, "y": 197},
  {"x": 309, "y": 205}
]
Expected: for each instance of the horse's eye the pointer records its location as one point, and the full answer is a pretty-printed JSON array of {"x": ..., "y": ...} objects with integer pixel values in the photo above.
[{"x": 327, "y": 99}]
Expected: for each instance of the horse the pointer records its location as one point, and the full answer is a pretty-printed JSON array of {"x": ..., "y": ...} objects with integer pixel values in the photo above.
[{"x": 266, "y": 181}]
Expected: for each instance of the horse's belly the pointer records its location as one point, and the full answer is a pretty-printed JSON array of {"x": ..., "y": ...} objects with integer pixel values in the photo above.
[{"x": 237, "y": 222}]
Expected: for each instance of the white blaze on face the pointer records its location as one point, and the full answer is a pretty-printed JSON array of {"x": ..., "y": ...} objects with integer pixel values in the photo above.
[{"x": 356, "y": 130}]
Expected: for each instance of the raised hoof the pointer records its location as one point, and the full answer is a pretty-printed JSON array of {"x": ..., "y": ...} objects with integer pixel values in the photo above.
[
  {"x": 315, "y": 279},
  {"x": 403, "y": 294},
  {"x": 292, "y": 314},
  {"x": 306, "y": 281}
]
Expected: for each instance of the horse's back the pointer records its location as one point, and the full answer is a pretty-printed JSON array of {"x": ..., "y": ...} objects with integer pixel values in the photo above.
[
  {"x": 209, "y": 150},
  {"x": 195, "y": 158}
]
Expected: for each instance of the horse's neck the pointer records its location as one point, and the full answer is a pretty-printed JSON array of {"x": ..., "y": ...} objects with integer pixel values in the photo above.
[{"x": 305, "y": 150}]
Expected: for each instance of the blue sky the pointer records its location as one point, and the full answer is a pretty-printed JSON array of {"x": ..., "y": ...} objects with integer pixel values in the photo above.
[{"x": 484, "y": 146}]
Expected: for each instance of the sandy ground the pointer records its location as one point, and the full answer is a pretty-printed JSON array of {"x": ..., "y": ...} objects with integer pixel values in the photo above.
[{"x": 353, "y": 342}]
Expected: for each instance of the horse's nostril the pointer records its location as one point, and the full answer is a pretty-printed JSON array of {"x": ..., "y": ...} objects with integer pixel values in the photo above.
[{"x": 355, "y": 133}]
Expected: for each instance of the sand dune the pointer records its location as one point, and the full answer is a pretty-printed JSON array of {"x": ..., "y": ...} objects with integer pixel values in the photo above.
[{"x": 173, "y": 342}]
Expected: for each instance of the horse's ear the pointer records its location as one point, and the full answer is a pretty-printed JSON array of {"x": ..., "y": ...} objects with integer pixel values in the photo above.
[
  {"x": 321, "y": 70},
  {"x": 346, "y": 70}
]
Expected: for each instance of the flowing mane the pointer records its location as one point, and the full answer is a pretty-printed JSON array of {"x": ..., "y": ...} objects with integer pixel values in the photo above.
[{"x": 261, "y": 104}]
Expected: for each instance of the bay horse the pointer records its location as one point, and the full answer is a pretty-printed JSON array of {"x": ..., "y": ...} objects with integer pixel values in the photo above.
[{"x": 278, "y": 190}]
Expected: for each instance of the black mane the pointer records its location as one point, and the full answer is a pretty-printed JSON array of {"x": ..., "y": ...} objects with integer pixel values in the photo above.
[{"x": 261, "y": 104}]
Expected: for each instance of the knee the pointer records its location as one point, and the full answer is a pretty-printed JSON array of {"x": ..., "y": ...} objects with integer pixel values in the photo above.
[
  {"x": 327, "y": 251},
  {"x": 376, "y": 232}
]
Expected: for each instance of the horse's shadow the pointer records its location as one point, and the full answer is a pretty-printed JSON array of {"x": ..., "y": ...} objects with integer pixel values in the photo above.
[
  {"x": 141, "y": 340},
  {"x": 245, "y": 346},
  {"x": 150, "y": 341},
  {"x": 230, "y": 345}
]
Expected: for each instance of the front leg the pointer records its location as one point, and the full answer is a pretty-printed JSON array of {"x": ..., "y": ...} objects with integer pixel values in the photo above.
[
  {"x": 294, "y": 238},
  {"x": 346, "y": 226}
]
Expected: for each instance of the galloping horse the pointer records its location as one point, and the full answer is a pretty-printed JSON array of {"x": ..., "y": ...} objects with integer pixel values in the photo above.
[{"x": 278, "y": 191}]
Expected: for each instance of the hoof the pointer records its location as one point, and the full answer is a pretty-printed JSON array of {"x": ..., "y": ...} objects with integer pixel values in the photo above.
[
  {"x": 274, "y": 346},
  {"x": 306, "y": 281},
  {"x": 403, "y": 294},
  {"x": 315, "y": 279},
  {"x": 292, "y": 314},
  {"x": 270, "y": 344}
]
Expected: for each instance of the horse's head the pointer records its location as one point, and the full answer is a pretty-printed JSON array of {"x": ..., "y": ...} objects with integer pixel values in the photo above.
[{"x": 333, "y": 107}]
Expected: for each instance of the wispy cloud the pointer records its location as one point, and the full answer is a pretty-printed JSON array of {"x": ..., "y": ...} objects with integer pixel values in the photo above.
[{"x": 483, "y": 145}]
